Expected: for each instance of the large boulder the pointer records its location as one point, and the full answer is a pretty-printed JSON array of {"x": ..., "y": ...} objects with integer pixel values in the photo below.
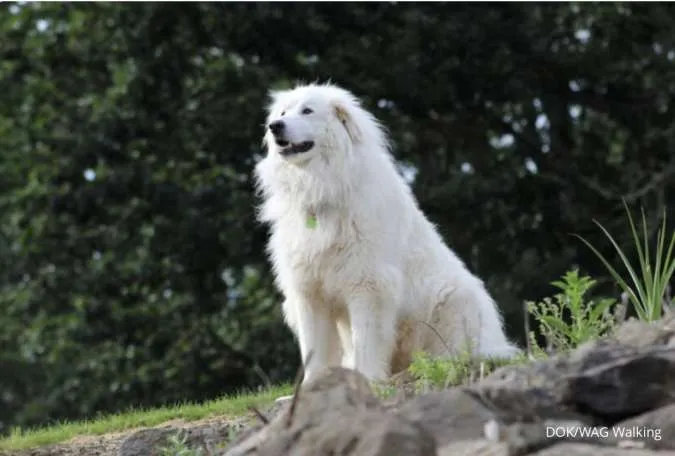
[{"x": 337, "y": 414}]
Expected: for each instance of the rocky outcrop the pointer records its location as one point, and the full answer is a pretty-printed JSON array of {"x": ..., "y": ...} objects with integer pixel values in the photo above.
[
  {"x": 611, "y": 397},
  {"x": 203, "y": 436}
]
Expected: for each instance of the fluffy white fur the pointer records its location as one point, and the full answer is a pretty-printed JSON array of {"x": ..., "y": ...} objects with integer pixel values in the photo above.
[{"x": 364, "y": 285}]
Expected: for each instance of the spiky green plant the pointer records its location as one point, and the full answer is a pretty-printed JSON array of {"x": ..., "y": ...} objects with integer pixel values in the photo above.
[{"x": 646, "y": 290}]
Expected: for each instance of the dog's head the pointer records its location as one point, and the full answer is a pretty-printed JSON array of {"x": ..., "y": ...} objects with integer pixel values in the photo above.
[{"x": 312, "y": 120}]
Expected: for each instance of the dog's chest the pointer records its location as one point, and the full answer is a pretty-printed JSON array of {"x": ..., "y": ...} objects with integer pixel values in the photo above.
[{"x": 318, "y": 251}]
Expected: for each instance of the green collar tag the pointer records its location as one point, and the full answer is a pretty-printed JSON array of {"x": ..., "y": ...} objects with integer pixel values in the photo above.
[{"x": 311, "y": 221}]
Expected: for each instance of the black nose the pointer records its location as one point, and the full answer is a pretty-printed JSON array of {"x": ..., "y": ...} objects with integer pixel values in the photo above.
[{"x": 276, "y": 127}]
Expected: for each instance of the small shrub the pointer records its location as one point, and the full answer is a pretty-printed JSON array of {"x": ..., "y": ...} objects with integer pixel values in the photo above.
[{"x": 587, "y": 319}]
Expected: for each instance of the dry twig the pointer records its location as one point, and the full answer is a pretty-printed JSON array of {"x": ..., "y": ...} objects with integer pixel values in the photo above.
[{"x": 296, "y": 390}]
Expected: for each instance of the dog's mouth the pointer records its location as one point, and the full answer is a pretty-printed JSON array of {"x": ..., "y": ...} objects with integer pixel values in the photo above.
[{"x": 289, "y": 148}]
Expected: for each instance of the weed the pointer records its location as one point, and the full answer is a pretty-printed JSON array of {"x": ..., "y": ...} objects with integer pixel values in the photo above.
[
  {"x": 588, "y": 319},
  {"x": 177, "y": 446},
  {"x": 384, "y": 390}
]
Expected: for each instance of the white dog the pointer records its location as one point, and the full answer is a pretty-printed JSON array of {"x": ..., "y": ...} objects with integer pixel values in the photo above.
[{"x": 366, "y": 277}]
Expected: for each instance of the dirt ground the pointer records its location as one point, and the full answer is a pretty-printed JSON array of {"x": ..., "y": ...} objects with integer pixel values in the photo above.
[{"x": 109, "y": 444}]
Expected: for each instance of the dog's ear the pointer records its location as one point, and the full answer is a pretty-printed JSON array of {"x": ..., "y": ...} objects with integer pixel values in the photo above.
[{"x": 346, "y": 119}]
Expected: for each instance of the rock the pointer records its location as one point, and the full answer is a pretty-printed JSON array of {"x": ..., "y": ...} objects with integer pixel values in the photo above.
[
  {"x": 614, "y": 382},
  {"x": 394, "y": 435},
  {"x": 585, "y": 449},
  {"x": 462, "y": 413},
  {"x": 572, "y": 404},
  {"x": 641, "y": 334},
  {"x": 474, "y": 448},
  {"x": 610, "y": 397},
  {"x": 363, "y": 432},
  {"x": 403, "y": 385},
  {"x": 536, "y": 374},
  {"x": 149, "y": 442},
  {"x": 336, "y": 412},
  {"x": 532, "y": 404},
  {"x": 448, "y": 415},
  {"x": 656, "y": 428},
  {"x": 605, "y": 379}
]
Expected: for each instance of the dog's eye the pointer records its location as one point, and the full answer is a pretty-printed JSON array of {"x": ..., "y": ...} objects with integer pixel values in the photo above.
[
  {"x": 283, "y": 113},
  {"x": 307, "y": 111}
]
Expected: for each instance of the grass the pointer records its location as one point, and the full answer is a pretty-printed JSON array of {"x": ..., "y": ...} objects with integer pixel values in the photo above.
[
  {"x": 432, "y": 373},
  {"x": 232, "y": 406}
]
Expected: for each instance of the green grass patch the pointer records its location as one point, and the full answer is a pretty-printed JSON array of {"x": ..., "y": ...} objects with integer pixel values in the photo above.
[
  {"x": 432, "y": 373},
  {"x": 233, "y": 406}
]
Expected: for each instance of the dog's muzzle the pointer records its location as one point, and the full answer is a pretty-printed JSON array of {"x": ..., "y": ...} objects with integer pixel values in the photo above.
[{"x": 278, "y": 129}]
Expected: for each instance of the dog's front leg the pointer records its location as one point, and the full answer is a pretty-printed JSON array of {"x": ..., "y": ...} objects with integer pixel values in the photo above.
[
  {"x": 317, "y": 333},
  {"x": 373, "y": 324}
]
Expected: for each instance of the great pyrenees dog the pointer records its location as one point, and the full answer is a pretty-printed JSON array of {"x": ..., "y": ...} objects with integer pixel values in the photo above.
[{"x": 367, "y": 279}]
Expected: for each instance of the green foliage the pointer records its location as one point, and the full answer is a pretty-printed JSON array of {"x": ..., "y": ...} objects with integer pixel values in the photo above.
[
  {"x": 465, "y": 368},
  {"x": 385, "y": 390},
  {"x": 647, "y": 287},
  {"x": 570, "y": 318},
  {"x": 177, "y": 446}
]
